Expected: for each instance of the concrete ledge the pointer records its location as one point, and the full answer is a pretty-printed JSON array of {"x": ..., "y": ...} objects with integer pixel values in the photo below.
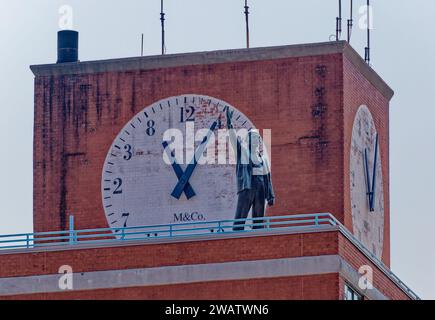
[
  {"x": 216, "y": 57},
  {"x": 243, "y": 270}
]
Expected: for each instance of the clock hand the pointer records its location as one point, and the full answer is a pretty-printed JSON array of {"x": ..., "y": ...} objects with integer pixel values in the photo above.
[
  {"x": 176, "y": 193},
  {"x": 368, "y": 184},
  {"x": 372, "y": 203},
  {"x": 179, "y": 173}
]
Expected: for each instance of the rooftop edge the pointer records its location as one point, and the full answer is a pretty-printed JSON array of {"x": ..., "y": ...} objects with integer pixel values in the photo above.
[{"x": 216, "y": 57}]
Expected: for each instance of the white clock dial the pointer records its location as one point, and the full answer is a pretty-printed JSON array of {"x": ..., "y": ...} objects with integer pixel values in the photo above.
[
  {"x": 137, "y": 183},
  {"x": 366, "y": 182}
]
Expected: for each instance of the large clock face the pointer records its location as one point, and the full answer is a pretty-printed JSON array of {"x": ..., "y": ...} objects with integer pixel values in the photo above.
[
  {"x": 366, "y": 187},
  {"x": 137, "y": 183}
]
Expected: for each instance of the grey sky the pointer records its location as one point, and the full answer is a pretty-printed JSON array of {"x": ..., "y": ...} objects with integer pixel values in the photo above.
[{"x": 403, "y": 54}]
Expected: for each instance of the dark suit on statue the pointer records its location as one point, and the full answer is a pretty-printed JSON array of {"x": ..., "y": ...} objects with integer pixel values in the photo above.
[{"x": 254, "y": 184}]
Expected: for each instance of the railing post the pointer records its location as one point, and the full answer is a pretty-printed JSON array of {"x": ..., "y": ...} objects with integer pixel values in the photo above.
[
  {"x": 316, "y": 220},
  {"x": 268, "y": 222},
  {"x": 71, "y": 229},
  {"x": 28, "y": 241},
  {"x": 170, "y": 230},
  {"x": 123, "y": 234}
]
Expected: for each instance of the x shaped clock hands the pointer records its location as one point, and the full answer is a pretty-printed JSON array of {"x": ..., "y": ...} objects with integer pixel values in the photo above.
[
  {"x": 184, "y": 179},
  {"x": 371, "y": 185},
  {"x": 188, "y": 191}
]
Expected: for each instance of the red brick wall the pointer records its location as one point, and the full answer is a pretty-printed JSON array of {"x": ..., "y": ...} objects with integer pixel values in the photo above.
[
  {"x": 77, "y": 117},
  {"x": 319, "y": 287},
  {"x": 155, "y": 255},
  {"x": 357, "y": 91},
  {"x": 201, "y": 252},
  {"x": 356, "y": 259}
]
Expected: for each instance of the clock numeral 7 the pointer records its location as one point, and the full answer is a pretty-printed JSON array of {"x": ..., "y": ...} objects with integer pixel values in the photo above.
[{"x": 125, "y": 215}]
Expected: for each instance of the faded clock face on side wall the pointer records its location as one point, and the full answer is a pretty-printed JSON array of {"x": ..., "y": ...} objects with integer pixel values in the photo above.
[
  {"x": 366, "y": 185},
  {"x": 137, "y": 183}
]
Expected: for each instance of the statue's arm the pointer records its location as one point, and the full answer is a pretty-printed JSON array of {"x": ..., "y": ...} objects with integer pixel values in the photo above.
[{"x": 232, "y": 134}]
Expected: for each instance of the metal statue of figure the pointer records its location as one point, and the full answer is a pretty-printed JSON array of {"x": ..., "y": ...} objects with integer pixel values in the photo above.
[{"x": 254, "y": 182}]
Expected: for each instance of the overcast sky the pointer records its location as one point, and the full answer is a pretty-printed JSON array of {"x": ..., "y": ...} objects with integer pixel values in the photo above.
[{"x": 403, "y": 54}]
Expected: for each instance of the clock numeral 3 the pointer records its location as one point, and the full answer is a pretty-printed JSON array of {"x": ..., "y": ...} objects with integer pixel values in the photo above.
[
  {"x": 129, "y": 154},
  {"x": 189, "y": 112},
  {"x": 118, "y": 183}
]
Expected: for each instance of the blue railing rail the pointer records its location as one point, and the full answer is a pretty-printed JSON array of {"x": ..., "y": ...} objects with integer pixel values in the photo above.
[
  {"x": 73, "y": 237},
  {"x": 162, "y": 231}
]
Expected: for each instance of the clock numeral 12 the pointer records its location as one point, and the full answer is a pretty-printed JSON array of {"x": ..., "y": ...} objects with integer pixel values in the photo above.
[{"x": 189, "y": 112}]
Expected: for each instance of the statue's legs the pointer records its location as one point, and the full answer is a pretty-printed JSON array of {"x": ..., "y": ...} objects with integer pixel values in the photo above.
[
  {"x": 259, "y": 204},
  {"x": 248, "y": 198},
  {"x": 244, "y": 203}
]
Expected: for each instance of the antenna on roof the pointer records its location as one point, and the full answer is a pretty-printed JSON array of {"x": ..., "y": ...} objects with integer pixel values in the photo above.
[
  {"x": 162, "y": 19},
  {"x": 367, "y": 49},
  {"x": 350, "y": 22},
  {"x": 338, "y": 23},
  {"x": 141, "y": 47},
  {"x": 247, "y": 23}
]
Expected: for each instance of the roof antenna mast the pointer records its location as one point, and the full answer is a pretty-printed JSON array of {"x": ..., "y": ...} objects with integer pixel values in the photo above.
[
  {"x": 141, "y": 46},
  {"x": 162, "y": 19},
  {"x": 367, "y": 49},
  {"x": 247, "y": 23},
  {"x": 338, "y": 23},
  {"x": 350, "y": 22}
]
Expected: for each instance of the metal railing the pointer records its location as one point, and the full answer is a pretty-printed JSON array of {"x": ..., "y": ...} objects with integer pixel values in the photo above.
[
  {"x": 74, "y": 237},
  {"x": 163, "y": 231}
]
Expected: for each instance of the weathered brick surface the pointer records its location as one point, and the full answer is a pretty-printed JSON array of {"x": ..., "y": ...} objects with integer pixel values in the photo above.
[
  {"x": 320, "y": 287},
  {"x": 155, "y": 255},
  {"x": 356, "y": 259},
  {"x": 211, "y": 251},
  {"x": 77, "y": 118}
]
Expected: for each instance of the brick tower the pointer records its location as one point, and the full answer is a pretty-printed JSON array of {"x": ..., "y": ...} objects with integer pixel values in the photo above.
[{"x": 328, "y": 113}]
